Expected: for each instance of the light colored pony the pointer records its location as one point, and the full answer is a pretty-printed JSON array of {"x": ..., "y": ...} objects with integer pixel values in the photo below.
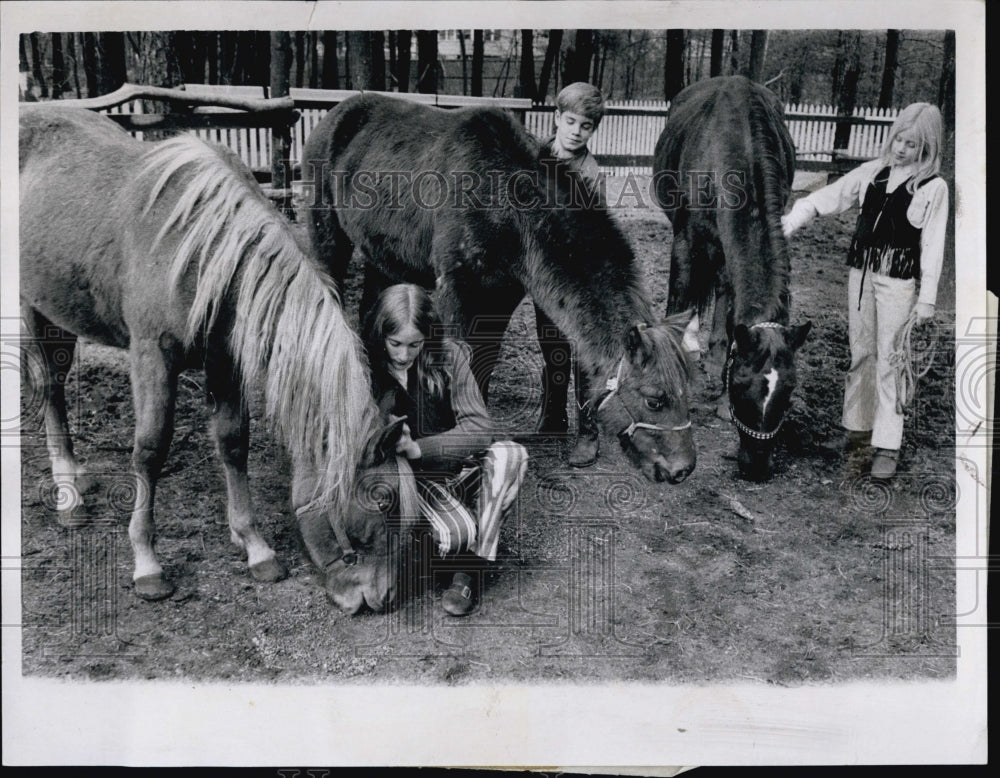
[{"x": 171, "y": 251}]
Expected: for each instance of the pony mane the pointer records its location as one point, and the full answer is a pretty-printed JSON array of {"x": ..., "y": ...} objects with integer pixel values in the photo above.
[
  {"x": 289, "y": 332},
  {"x": 670, "y": 358},
  {"x": 774, "y": 162}
]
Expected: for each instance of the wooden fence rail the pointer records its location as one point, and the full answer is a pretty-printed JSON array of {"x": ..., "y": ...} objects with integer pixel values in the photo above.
[{"x": 624, "y": 142}]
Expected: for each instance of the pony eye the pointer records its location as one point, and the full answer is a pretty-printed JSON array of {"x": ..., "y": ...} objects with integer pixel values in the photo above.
[{"x": 655, "y": 403}]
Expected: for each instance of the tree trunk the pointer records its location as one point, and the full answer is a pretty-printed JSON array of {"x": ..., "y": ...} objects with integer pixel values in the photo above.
[
  {"x": 281, "y": 138},
  {"x": 212, "y": 56},
  {"x": 715, "y": 57},
  {"x": 798, "y": 75},
  {"x": 427, "y": 50},
  {"x": 378, "y": 60},
  {"x": 464, "y": 54},
  {"x": 36, "y": 65},
  {"x": 359, "y": 60},
  {"x": 526, "y": 85},
  {"x": 673, "y": 64},
  {"x": 227, "y": 57},
  {"x": 734, "y": 51},
  {"x": 404, "y": 41},
  {"x": 551, "y": 56},
  {"x": 758, "y": 50},
  {"x": 946, "y": 86},
  {"x": 477, "y": 63},
  {"x": 300, "y": 59},
  {"x": 59, "y": 81},
  {"x": 313, "y": 60},
  {"x": 889, "y": 68},
  {"x": 578, "y": 57},
  {"x": 848, "y": 96},
  {"x": 331, "y": 76},
  {"x": 74, "y": 48}
]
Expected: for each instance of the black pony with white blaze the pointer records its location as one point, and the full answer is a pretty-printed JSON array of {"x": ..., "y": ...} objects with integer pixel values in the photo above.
[{"x": 723, "y": 169}]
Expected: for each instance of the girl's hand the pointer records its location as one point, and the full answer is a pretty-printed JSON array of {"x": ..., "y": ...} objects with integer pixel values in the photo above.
[
  {"x": 923, "y": 312},
  {"x": 407, "y": 446}
]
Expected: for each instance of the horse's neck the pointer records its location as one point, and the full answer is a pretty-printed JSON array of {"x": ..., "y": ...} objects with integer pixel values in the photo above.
[
  {"x": 758, "y": 279},
  {"x": 596, "y": 321}
]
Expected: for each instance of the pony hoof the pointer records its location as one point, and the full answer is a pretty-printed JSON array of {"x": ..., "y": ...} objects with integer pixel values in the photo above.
[
  {"x": 268, "y": 571},
  {"x": 153, "y": 587}
]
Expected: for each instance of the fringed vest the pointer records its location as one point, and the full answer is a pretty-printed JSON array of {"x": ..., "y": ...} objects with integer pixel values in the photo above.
[{"x": 884, "y": 240}]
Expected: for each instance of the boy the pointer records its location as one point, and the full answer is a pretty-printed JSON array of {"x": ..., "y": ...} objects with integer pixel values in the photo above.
[{"x": 579, "y": 109}]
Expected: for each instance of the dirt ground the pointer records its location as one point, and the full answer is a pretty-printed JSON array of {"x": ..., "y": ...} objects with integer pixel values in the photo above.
[{"x": 819, "y": 575}]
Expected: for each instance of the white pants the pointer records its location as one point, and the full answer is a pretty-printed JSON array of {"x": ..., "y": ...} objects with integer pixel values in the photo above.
[{"x": 870, "y": 388}]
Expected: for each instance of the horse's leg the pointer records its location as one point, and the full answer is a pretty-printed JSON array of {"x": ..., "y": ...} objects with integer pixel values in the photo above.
[
  {"x": 556, "y": 361},
  {"x": 154, "y": 392},
  {"x": 56, "y": 347},
  {"x": 374, "y": 282},
  {"x": 481, "y": 317},
  {"x": 230, "y": 427}
]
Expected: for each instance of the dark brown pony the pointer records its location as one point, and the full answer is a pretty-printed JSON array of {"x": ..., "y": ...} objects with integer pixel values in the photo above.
[
  {"x": 723, "y": 169},
  {"x": 171, "y": 251},
  {"x": 461, "y": 201}
]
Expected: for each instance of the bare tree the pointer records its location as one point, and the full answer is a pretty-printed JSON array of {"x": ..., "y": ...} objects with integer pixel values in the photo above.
[
  {"x": 848, "y": 95},
  {"x": 734, "y": 51},
  {"x": 427, "y": 50},
  {"x": 889, "y": 68},
  {"x": 578, "y": 57},
  {"x": 281, "y": 137},
  {"x": 526, "y": 84},
  {"x": 946, "y": 84},
  {"x": 464, "y": 55},
  {"x": 314, "y": 60},
  {"x": 331, "y": 76},
  {"x": 404, "y": 40},
  {"x": 673, "y": 64},
  {"x": 300, "y": 59},
  {"x": 377, "y": 42},
  {"x": 359, "y": 60},
  {"x": 551, "y": 56},
  {"x": 758, "y": 51},
  {"x": 59, "y": 80},
  {"x": 477, "y": 63},
  {"x": 715, "y": 56},
  {"x": 36, "y": 64}
]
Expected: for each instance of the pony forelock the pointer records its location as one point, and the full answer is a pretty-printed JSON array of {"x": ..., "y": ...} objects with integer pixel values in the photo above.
[{"x": 289, "y": 333}]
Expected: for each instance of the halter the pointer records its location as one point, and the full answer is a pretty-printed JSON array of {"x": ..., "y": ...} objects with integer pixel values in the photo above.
[
  {"x": 752, "y": 433},
  {"x": 348, "y": 555},
  {"x": 611, "y": 386}
]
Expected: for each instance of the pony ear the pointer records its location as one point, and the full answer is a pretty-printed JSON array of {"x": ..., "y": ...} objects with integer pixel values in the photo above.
[
  {"x": 636, "y": 342},
  {"x": 797, "y": 335},
  {"x": 741, "y": 334},
  {"x": 382, "y": 445}
]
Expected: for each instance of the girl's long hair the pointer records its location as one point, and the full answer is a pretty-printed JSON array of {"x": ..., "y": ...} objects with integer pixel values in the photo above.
[
  {"x": 396, "y": 307},
  {"x": 925, "y": 120}
]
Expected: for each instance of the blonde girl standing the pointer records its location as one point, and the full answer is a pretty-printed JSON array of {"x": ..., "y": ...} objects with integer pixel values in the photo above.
[{"x": 898, "y": 242}]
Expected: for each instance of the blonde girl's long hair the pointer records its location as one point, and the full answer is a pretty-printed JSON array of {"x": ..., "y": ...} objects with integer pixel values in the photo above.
[
  {"x": 925, "y": 121},
  {"x": 396, "y": 307}
]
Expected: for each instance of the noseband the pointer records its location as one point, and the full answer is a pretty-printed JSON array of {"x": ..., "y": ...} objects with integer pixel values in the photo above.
[
  {"x": 348, "y": 556},
  {"x": 727, "y": 368},
  {"x": 611, "y": 386}
]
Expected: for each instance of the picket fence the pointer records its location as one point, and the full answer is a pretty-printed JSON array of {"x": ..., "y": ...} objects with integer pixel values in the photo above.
[{"x": 624, "y": 142}]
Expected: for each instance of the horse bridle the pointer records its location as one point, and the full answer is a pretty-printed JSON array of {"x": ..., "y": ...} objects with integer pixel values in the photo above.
[
  {"x": 611, "y": 386},
  {"x": 348, "y": 556},
  {"x": 749, "y": 432}
]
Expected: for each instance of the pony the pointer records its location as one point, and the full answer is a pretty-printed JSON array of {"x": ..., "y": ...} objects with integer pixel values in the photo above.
[
  {"x": 170, "y": 250},
  {"x": 722, "y": 171},
  {"x": 464, "y": 202}
]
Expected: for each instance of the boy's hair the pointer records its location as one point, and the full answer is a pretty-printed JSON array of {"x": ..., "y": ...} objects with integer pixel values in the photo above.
[
  {"x": 584, "y": 99},
  {"x": 924, "y": 120}
]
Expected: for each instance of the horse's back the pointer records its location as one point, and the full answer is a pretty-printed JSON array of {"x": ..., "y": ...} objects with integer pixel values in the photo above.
[
  {"x": 398, "y": 167},
  {"x": 73, "y": 166}
]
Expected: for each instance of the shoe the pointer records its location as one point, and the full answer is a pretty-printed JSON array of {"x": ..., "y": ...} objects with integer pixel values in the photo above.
[
  {"x": 884, "y": 463},
  {"x": 857, "y": 439},
  {"x": 584, "y": 452},
  {"x": 459, "y": 599}
]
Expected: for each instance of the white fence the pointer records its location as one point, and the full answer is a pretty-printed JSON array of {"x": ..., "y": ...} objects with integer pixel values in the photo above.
[{"x": 624, "y": 142}]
